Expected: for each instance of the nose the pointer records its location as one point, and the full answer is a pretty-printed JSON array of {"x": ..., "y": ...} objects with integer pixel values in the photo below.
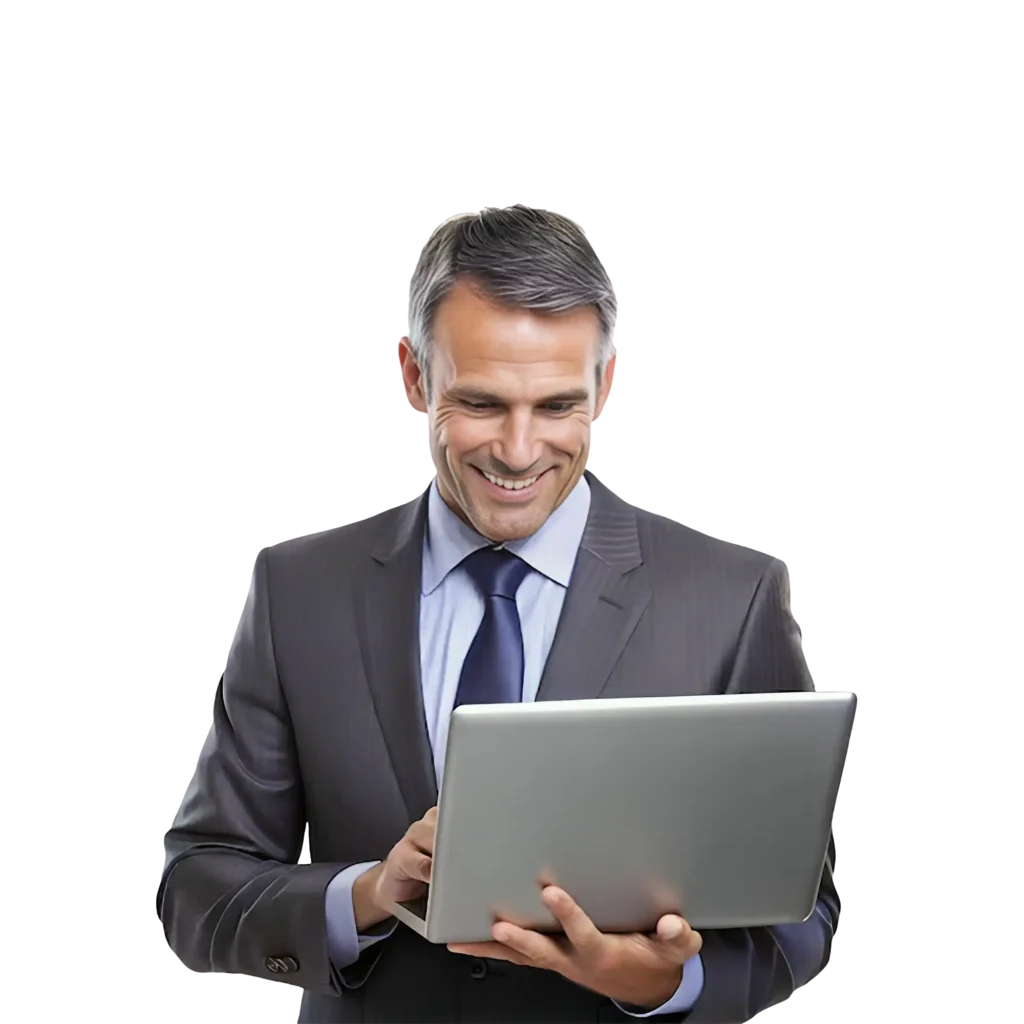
[{"x": 519, "y": 445}]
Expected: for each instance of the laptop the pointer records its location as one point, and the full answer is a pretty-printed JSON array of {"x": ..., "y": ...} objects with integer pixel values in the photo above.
[{"x": 717, "y": 808}]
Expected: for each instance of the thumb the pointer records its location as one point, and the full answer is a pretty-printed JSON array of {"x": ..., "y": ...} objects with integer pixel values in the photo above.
[
  {"x": 677, "y": 939},
  {"x": 671, "y": 927}
]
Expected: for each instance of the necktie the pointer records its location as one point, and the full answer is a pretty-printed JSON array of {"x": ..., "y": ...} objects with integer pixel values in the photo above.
[{"x": 493, "y": 670}]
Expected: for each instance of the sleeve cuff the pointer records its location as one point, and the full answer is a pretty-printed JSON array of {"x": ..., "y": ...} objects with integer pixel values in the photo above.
[
  {"x": 344, "y": 944},
  {"x": 685, "y": 996}
]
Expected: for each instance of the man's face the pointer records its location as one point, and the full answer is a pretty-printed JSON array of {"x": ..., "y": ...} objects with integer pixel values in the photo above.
[{"x": 512, "y": 397}]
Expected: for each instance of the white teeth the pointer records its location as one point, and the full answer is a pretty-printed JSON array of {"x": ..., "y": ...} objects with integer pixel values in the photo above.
[{"x": 511, "y": 485}]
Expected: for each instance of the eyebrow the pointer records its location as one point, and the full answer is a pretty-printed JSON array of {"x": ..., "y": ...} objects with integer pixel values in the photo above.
[{"x": 473, "y": 394}]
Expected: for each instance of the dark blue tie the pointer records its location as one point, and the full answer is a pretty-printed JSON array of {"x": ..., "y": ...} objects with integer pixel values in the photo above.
[{"x": 493, "y": 670}]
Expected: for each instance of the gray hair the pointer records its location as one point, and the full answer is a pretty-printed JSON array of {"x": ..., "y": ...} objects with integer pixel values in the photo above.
[{"x": 518, "y": 257}]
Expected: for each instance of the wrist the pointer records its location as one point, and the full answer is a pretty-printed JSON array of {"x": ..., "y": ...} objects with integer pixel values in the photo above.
[
  {"x": 653, "y": 992},
  {"x": 366, "y": 903}
]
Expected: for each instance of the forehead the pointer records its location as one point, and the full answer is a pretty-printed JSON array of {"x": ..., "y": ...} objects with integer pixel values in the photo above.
[{"x": 475, "y": 335}]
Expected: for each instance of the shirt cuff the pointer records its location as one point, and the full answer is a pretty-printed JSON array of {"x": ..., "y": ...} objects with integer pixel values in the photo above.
[
  {"x": 685, "y": 996},
  {"x": 344, "y": 944}
]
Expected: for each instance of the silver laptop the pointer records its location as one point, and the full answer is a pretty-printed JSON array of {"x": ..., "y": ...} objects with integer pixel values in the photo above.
[{"x": 717, "y": 808}]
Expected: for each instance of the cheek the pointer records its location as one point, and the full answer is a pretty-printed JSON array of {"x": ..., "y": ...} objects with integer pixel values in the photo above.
[
  {"x": 569, "y": 435},
  {"x": 441, "y": 427},
  {"x": 462, "y": 434}
]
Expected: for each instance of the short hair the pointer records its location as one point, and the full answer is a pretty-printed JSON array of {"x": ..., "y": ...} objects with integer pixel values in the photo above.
[{"x": 519, "y": 257}]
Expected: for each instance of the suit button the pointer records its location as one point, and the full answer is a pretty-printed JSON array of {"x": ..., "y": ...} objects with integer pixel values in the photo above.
[
  {"x": 478, "y": 969},
  {"x": 281, "y": 964}
]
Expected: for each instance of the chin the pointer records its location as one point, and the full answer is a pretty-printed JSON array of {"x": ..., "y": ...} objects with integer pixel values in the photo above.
[{"x": 502, "y": 526}]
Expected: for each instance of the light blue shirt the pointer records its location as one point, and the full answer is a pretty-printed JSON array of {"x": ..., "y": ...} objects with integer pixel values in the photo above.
[{"x": 451, "y": 610}]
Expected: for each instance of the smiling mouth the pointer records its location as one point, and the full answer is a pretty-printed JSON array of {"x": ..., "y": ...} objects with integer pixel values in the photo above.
[{"x": 508, "y": 483}]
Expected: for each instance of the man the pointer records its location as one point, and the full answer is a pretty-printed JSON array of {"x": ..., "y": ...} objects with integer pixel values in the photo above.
[{"x": 516, "y": 576}]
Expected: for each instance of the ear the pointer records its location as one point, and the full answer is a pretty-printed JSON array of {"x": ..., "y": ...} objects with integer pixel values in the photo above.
[
  {"x": 412, "y": 377},
  {"x": 606, "y": 387}
]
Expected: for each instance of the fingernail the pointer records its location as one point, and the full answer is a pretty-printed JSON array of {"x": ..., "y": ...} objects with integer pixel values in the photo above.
[{"x": 672, "y": 929}]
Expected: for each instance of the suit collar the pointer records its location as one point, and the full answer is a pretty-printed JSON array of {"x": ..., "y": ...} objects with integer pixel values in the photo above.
[
  {"x": 388, "y": 631},
  {"x": 609, "y": 591},
  {"x": 611, "y": 533},
  {"x": 400, "y": 529},
  {"x": 551, "y": 551}
]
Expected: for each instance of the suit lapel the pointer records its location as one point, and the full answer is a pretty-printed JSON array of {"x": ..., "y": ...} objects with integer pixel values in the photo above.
[
  {"x": 389, "y": 633},
  {"x": 607, "y": 595}
]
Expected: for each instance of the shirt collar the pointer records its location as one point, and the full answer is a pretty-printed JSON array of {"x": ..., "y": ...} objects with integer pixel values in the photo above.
[{"x": 550, "y": 551}]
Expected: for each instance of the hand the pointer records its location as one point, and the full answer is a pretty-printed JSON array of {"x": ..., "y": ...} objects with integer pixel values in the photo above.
[
  {"x": 638, "y": 969},
  {"x": 403, "y": 876},
  {"x": 406, "y": 872}
]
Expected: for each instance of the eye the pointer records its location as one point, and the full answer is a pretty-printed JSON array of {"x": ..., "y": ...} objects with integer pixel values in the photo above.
[
  {"x": 477, "y": 406},
  {"x": 558, "y": 407}
]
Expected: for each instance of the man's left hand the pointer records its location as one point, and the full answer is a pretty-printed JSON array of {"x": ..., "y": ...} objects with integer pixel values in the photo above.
[{"x": 643, "y": 970}]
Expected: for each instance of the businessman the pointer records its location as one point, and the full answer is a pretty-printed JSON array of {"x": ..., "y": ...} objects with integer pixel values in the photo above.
[{"x": 515, "y": 576}]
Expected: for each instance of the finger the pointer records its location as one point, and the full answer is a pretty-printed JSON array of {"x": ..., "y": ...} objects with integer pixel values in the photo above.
[
  {"x": 578, "y": 928},
  {"x": 539, "y": 950},
  {"x": 421, "y": 835},
  {"x": 421, "y": 829},
  {"x": 488, "y": 950},
  {"x": 676, "y": 939},
  {"x": 411, "y": 863}
]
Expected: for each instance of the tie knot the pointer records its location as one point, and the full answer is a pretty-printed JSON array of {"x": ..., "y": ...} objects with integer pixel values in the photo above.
[{"x": 496, "y": 572}]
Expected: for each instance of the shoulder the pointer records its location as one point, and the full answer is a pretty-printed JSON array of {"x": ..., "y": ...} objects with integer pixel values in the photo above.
[
  {"x": 344, "y": 546},
  {"x": 674, "y": 550}
]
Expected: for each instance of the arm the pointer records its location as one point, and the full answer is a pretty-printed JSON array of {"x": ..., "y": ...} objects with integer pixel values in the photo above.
[
  {"x": 747, "y": 970},
  {"x": 232, "y": 897}
]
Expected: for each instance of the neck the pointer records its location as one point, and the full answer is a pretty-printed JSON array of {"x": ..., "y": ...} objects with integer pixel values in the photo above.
[{"x": 449, "y": 499}]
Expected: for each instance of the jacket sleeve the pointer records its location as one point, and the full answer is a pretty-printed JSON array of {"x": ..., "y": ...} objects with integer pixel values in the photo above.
[
  {"x": 746, "y": 970},
  {"x": 232, "y": 896}
]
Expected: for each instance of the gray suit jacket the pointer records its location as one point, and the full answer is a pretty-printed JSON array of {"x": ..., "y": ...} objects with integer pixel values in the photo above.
[{"x": 318, "y": 719}]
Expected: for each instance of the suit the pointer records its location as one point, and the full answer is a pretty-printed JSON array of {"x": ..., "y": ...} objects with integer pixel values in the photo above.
[{"x": 318, "y": 718}]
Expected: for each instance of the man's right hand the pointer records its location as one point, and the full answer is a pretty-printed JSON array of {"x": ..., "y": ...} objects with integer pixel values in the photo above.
[{"x": 403, "y": 876}]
